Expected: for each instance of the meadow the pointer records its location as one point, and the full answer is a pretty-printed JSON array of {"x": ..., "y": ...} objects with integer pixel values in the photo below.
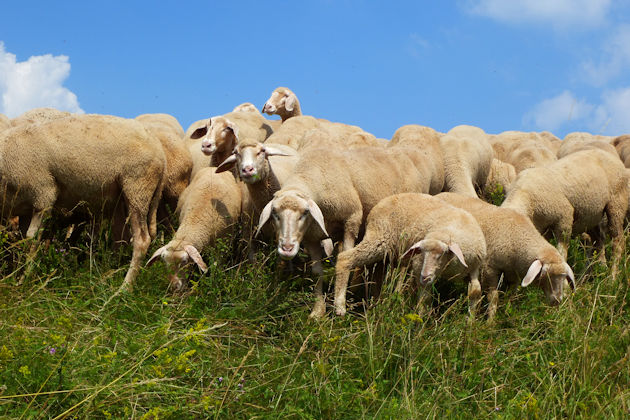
[{"x": 239, "y": 343}]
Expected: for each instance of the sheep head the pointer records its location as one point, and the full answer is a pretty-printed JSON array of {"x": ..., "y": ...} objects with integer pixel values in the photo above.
[
  {"x": 178, "y": 254},
  {"x": 293, "y": 214},
  {"x": 219, "y": 135},
  {"x": 436, "y": 256},
  {"x": 251, "y": 160},
  {"x": 282, "y": 101},
  {"x": 551, "y": 277}
]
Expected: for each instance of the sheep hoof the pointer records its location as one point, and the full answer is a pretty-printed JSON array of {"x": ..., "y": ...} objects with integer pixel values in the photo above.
[
  {"x": 340, "y": 311},
  {"x": 318, "y": 312}
]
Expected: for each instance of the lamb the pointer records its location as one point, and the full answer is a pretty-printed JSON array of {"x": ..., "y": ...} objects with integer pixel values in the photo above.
[
  {"x": 284, "y": 103},
  {"x": 208, "y": 209},
  {"x": 516, "y": 250},
  {"x": 523, "y": 150},
  {"x": 38, "y": 115},
  {"x": 467, "y": 159},
  {"x": 430, "y": 160},
  {"x": 178, "y": 158},
  {"x": 572, "y": 195},
  {"x": 622, "y": 146},
  {"x": 91, "y": 159},
  {"x": 449, "y": 239},
  {"x": 336, "y": 190},
  {"x": 165, "y": 120},
  {"x": 501, "y": 175},
  {"x": 574, "y": 142}
]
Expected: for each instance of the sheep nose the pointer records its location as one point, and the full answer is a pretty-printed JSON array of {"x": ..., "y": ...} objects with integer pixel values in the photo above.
[
  {"x": 248, "y": 170},
  {"x": 287, "y": 247}
]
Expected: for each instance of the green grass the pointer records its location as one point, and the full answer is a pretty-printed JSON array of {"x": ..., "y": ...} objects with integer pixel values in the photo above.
[{"x": 238, "y": 346}]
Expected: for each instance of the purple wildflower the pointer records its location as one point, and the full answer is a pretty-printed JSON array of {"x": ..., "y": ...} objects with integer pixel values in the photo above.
[{"x": 52, "y": 350}]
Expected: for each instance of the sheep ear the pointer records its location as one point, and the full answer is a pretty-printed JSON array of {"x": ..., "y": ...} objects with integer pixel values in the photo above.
[
  {"x": 264, "y": 216},
  {"x": 327, "y": 244},
  {"x": 233, "y": 127},
  {"x": 413, "y": 250},
  {"x": 533, "y": 271},
  {"x": 157, "y": 254},
  {"x": 316, "y": 213},
  {"x": 199, "y": 133},
  {"x": 570, "y": 275},
  {"x": 455, "y": 249},
  {"x": 274, "y": 151},
  {"x": 227, "y": 164},
  {"x": 289, "y": 102},
  {"x": 196, "y": 257}
]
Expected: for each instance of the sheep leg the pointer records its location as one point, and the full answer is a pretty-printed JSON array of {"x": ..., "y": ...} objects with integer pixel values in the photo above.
[
  {"x": 616, "y": 213},
  {"x": 367, "y": 252},
  {"x": 36, "y": 223},
  {"x": 491, "y": 284},
  {"x": 315, "y": 252},
  {"x": 474, "y": 294},
  {"x": 141, "y": 242}
]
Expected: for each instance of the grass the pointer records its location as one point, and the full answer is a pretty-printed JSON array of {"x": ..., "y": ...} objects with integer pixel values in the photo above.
[{"x": 238, "y": 346}]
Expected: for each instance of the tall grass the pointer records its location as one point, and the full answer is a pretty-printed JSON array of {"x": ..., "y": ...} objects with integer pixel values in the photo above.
[{"x": 239, "y": 345}]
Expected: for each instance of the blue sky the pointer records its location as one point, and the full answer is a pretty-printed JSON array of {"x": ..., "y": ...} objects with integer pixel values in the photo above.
[{"x": 561, "y": 65}]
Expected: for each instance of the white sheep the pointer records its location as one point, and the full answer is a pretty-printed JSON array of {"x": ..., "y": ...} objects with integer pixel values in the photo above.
[
  {"x": 91, "y": 159},
  {"x": 282, "y": 102},
  {"x": 38, "y": 115},
  {"x": 516, "y": 250},
  {"x": 574, "y": 142},
  {"x": 572, "y": 195},
  {"x": 163, "y": 119},
  {"x": 450, "y": 241},
  {"x": 208, "y": 209},
  {"x": 501, "y": 175},
  {"x": 622, "y": 145},
  {"x": 333, "y": 191},
  {"x": 200, "y": 160},
  {"x": 467, "y": 158},
  {"x": 523, "y": 150}
]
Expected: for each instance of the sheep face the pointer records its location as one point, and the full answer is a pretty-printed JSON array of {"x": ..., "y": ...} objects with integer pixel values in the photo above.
[
  {"x": 281, "y": 100},
  {"x": 436, "y": 257},
  {"x": 292, "y": 216},
  {"x": 221, "y": 136},
  {"x": 251, "y": 160},
  {"x": 551, "y": 278},
  {"x": 178, "y": 255}
]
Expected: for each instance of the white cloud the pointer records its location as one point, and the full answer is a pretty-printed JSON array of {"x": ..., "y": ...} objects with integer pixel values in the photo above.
[
  {"x": 615, "y": 58},
  {"x": 36, "y": 82},
  {"x": 553, "y": 113},
  {"x": 557, "y": 13},
  {"x": 609, "y": 117},
  {"x": 417, "y": 45}
]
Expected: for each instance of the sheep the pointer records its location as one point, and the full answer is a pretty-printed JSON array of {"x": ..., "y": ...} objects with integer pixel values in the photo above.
[
  {"x": 208, "y": 209},
  {"x": 336, "y": 190},
  {"x": 179, "y": 161},
  {"x": 430, "y": 160},
  {"x": 516, "y": 250},
  {"x": 200, "y": 160},
  {"x": 284, "y": 103},
  {"x": 523, "y": 150},
  {"x": 501, "y": 175},
  {"x": 449, "y": 239},
  {"x": 574, "y": 142},
  {"x": 622, "y": 146},
  {"x": 467, "y": 159},
  {"x": 165, "y": 120},
  {"x": 92, "y": 159},
  {"x": 5, "y": 122},
  {"x": 38, "y": 115},
  {"x": 246, "y": 107},
  {"x": 572, "y": 195}
]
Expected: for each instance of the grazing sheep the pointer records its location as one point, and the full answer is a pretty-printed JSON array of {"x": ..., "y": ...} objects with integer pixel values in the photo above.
[
  {"x": 38, "y": 115},
  {"x": 572, "y": 195},
  {"x": 429, "y": 160},
  {"x": 622, "y": 146},
  {"x": 516, "y": 250},
  {"x": 91, "y": 159},
  {"x": 523, "y": 150},
  {"x": 467, "y": 159},
  {"x": 449, "y": 239},
  {"x": 164, "y": 119},
  {"x": 501, "y": 175},
  {"x": 178, "y": 159},
  {"x": 284, "y": 103},
  {"x": 208, "y": 209},
  {"x": 336, "y": 190},
  {"x": 574, "y": 142}
]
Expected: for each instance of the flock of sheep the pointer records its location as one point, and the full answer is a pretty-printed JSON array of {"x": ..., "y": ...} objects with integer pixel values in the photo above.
[{"x": 315, "y": 184}]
